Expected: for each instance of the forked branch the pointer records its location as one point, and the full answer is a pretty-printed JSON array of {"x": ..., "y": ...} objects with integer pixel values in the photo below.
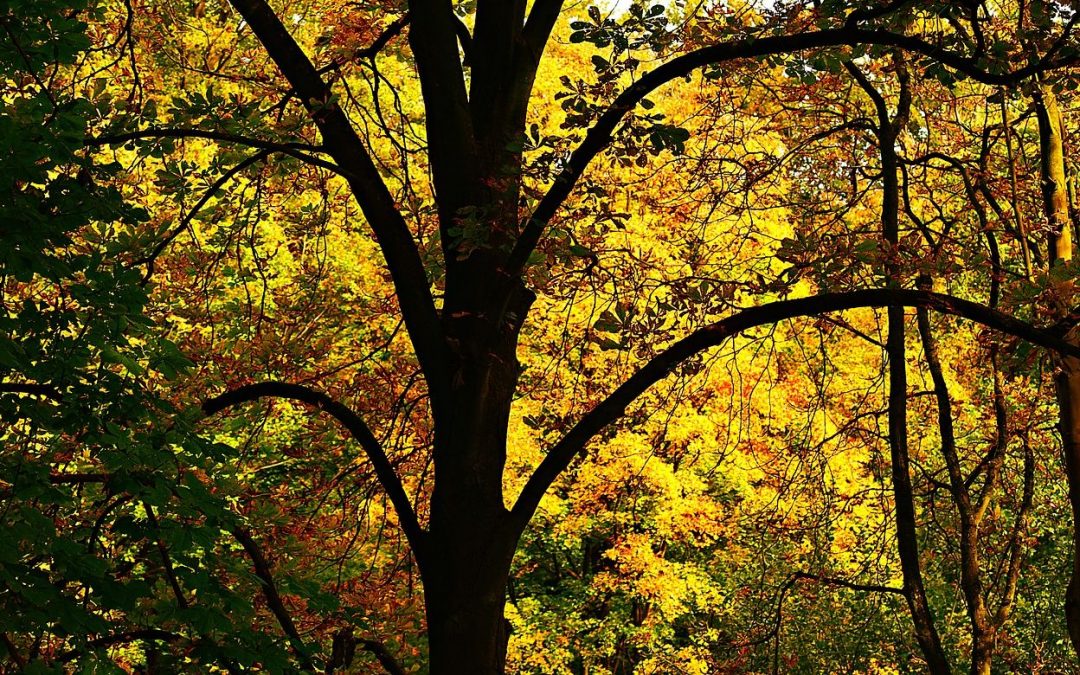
[{"x": 599, "y": 135}]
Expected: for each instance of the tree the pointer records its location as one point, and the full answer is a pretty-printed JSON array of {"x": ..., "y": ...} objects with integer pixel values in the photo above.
[{"x": 464, "y": 292}]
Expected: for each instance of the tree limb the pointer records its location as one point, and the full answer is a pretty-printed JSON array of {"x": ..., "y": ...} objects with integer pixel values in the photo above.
[
  {"x": 181, "y": 133},
  {"x": 377, "y": 203},
  {"x": 120, "y": 638},
  {"x": 844, "y": 583},
  {"x": 392, "y": 30},
  {"x": 610, "y": 409},
  {"x": 151, "y": 258},
  {"x": 357, "y": 428},
  {"x": 270, "y": 592},
  {"x": 599, "y": 135},
  {"x": 166, "y": 559},
  {"x": 32, "y": 389},
  {"x": 384, "y": 657},
  {"x": 434, "y": 36},
  {"x": 13, "y": 651}
]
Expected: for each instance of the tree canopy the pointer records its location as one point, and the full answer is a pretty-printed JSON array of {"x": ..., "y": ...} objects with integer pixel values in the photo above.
[{"x": 485, "y": 336}]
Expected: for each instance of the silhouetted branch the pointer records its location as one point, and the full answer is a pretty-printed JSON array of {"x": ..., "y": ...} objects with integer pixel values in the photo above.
[
  {"x": 599, "y": 135},
  {"x": 32, "y": 389},
  {"x": 384, "y": 657},
  {"x": 179, "y": 133},
  {"x": 270, "y": 592},
  {"x": 359, "y": 430},
  {"x": 378, "y": 205},
  {"x": 120, "y": 638},
  {"x": 613, "y": 407}
]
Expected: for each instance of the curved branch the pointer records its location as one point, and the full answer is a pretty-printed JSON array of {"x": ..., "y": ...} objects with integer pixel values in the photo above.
[
  {"x": 794, "y": 579},
  {"x": 383, "y": 656},
  {"x": 180, "y": 133},
  {"x": 790, "y": 583},
  {"x": 166, "y": 560},
  {"x": 370, "y": 52},
  {"x": 610, "y": 409},
  {"x": 359, "y": 430},
  {"x": 151, "y": 258},
  {"x": 224, "y": 178},
  {"x": 599, "y": 135}
]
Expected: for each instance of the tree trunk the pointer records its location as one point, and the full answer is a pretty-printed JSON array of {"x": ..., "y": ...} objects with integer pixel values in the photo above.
[
  {"x": 1067, "y": 386},
  {"x": 888, "y": 127},
  {"x": 1067, "y": 378},
  {"x": 472, "y": 539},
  {"x": 982, "y": 631},
  {"x": 465, "y": 593}
]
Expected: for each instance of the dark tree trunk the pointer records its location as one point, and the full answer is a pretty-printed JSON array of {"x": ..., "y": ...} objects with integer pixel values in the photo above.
[
  {"x": 465, "y": 593},
  {"x": 472, "y": 538}
]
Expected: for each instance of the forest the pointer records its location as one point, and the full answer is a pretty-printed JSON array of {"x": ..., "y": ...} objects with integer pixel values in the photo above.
[{"x": 588, "y": 337}]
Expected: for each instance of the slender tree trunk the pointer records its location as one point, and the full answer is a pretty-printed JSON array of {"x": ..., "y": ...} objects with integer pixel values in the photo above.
[
  {"x": 906, "y": 527},
  {"x": 982, "y": 630},
  {"x": 907, "y": 542},
  {"x": 1067, "y": 378}
]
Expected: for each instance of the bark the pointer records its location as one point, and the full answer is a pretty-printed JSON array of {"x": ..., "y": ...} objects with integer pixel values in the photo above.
[
  {"x": 982, "y": 630},
  {"x": 1067, "y": 378},
  {"x": 465, "y": 595},
  {"x": 906, "y": 524},
  {"x": 907, "y": 536},
  {"x": 471, "y": 539}
]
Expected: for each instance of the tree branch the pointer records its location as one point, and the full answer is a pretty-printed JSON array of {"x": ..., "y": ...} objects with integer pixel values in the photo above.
[
  {"x": 610, "y": 409},
  {"x": 166, "y": 559},
  {"x": 392, "y": 30},
  {"x": 32, "y": 389},
  {"x": 357, "y": 428},
  {"x": 180, "y": 133},
  {"x": 151, "y": 258},
  {"x": 778, "y": 620},
  {"x": 538, "y": 26},
  {"x": 599, "y": 135},
  {"x": 270, "y": 592},
  {"x": 370, "y": 52},
  {"x": 13, "y": 651},
  {"x": 844, "y": 583},
  {"x": 378, "y": 205},
  {"x": 383, "y": 656},
  {"x": 434, "y": 37},
  {"x": 119, "y": 638}
]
